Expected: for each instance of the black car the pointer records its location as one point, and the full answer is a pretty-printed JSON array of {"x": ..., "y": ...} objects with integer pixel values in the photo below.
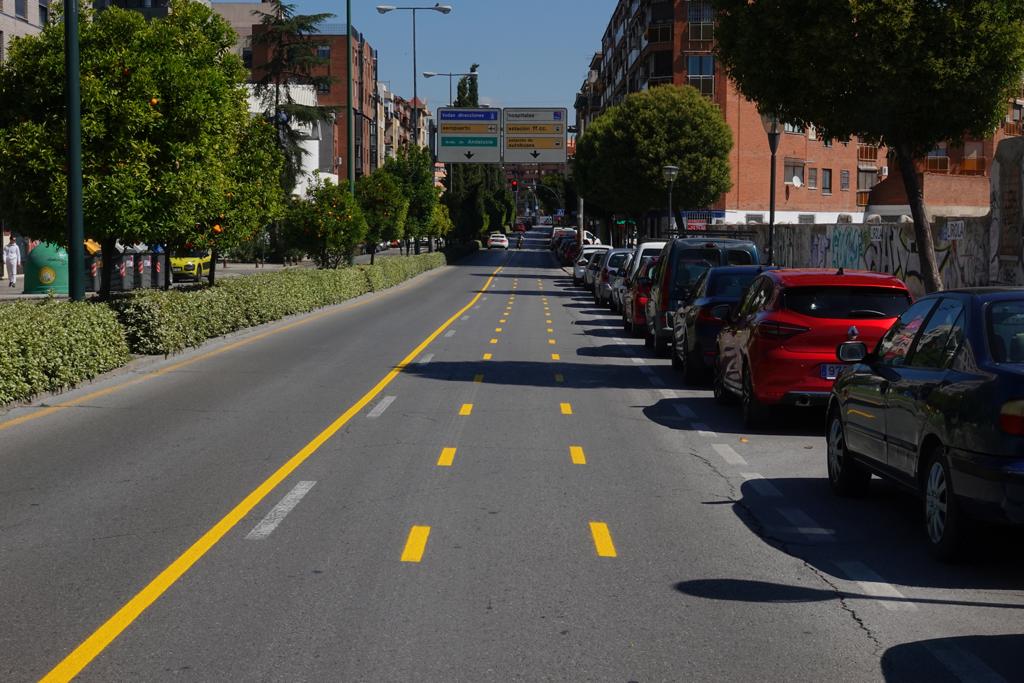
[
  {"x": 938, "y": 407},
  {"x": 697, "y": 321}
]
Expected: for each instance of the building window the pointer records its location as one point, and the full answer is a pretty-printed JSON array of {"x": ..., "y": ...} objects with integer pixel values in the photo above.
[
  {"x": 812, "y": 179},
  {"x": 938, "y": 158},
  {"x": 826, "y": 181},
  {"x": 827, "y": 142},
  {"x": 805, "y": 219},
  {"x": 700, "y": 12},
  {"x": 793, "y": 169},
  {"x": 21, "y": 9},
  {"x": 323, "y": 52},
  {"x": 701, "y": 73},
  {"x": 323, "y": 85},
  {"x": 974, "y": 158},
  {"x": 44, "y": 13},
  {"x": 793, "y": 128},
  {"x": 659, "y": 34},
  {"x": 754, "y": 218},
  {"x": 844, "y": 181}
]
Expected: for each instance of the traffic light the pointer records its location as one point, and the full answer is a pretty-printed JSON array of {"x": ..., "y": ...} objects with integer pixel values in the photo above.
[{"x": 515, "y": 184}]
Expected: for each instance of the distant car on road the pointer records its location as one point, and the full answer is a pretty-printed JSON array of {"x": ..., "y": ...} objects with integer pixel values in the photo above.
[
  {"x": 938, "y": 407},
  {"x": 778, "y": 347},
  {"x": 497, "y": 241}
]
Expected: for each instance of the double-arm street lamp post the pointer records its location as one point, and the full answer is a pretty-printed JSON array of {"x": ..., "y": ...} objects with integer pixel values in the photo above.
[
  {"x": 443, "y": 9},
  {"x": 671, "y": 173},
  {"x": 431, "y": 74},
  {"x": 772, "y": 128}
]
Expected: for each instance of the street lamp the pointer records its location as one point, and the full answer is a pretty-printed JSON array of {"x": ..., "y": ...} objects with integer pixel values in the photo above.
[
  {"x": 670, "y": 173},
  {"x": 431, "y": 74},
  {"x": 772, "y": 128},
  {"x": 443, "y": 9}
]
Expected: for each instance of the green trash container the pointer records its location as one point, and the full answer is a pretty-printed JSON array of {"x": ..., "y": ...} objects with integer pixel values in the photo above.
[{"x": 46, "y": 270}]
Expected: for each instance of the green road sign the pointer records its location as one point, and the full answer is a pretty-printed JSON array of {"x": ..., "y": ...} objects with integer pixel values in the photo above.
[{"x": 469, "y": 142}]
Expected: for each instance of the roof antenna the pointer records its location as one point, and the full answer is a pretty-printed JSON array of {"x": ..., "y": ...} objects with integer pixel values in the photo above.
[{"x": 841, "y": 271}]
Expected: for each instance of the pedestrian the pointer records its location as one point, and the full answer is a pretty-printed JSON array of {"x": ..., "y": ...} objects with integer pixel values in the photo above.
[{"x": 12, "y": 259}]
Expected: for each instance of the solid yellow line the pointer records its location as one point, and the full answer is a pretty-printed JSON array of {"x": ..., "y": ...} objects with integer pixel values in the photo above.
[
  {"x": 92, "y": 646},
  {"x": 566, "y": 409},
  {"x": 555, "y": 356},
  {"x": 488, "y": 356},
  {"x": 416, "y": 544},
  {"x": 447, "y": 457},
  {"x": 576, "y": 453},
  {"x": 602, "y": 540},
  {"x": 466, "y": 409}
]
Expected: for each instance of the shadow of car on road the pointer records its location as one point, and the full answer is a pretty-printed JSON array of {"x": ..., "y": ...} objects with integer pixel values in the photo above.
[{"x": 532, "y": 373}]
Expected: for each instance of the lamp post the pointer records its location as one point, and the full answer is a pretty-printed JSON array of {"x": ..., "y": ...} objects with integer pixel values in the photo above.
[
  {"x": 349, "y": 112},
  {"x": 772, "y": 128},
  {"x": 431, "y": 74},
  {"x": 72, "y": 89},
  {"x": 671, "y": 173},
  {"x": 443, "y": 9}
]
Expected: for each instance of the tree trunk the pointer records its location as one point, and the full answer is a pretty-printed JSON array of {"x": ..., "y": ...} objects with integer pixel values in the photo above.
[
  {"x": 107, "y": 250},
  {"x": 430, "y": 245},
  {"x": 416, "y": 245},
  {"x": 167, "y": 267},
  {"x": 212, "y": 277},
  {"x": 922, "y": 230},
  {"x": 373, "y": 253}
]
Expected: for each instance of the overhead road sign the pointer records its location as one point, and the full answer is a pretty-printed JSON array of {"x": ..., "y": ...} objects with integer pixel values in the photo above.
[
  {"x": 468, "y": 136},
  {"x": 535, "y": 135}
]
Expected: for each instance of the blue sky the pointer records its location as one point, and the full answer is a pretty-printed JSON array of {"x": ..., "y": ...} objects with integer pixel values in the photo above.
[{"x": 531, "y": 52}]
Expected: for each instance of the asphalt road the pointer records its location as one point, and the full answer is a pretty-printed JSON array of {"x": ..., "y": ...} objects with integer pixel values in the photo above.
[{"x": 285, "y": 505}]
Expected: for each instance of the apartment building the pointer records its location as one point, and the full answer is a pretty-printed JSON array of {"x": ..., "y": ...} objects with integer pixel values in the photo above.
[
  {"x": 651, "y": 43},
  {"x": 151, "y": 9},
  {"x": 21, "y": 18}
]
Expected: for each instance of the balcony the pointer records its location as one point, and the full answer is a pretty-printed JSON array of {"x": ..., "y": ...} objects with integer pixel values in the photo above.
[
  {"x": 974, "y": 166},
  {"x": 937, "y": 165},
  {"x": 867, "y": 154}
]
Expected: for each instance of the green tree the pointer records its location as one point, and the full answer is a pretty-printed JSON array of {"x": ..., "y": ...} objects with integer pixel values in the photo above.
[
  {"x": 327, "y": 225},
  {"x": 440, "y": 223},
  {"x": 413, "y": 169},
  {"x": 620, "y": 157},
  {"x": 163, "y": 111},
  {"x": 289, "y": 41},
  {"x": 904, "y": 73},
  {"x": 384, "y": 207}
]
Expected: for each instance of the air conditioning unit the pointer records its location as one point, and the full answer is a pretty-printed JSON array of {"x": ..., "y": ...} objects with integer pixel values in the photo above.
[{"x": 884, "y": 172}]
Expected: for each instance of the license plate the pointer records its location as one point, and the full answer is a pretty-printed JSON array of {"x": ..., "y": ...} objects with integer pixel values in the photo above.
[{"x": 831, "y": 371}]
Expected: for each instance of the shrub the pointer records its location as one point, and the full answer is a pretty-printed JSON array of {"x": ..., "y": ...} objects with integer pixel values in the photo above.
[{"x": 51, "y": 346}]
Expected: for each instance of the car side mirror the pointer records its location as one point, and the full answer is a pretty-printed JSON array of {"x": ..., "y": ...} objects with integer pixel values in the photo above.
[
  {"x": 722, "y": 312},
  {"x": 852, "y": 352}
]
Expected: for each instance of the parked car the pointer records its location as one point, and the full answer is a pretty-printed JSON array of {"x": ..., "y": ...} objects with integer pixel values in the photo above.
[
  {"x": 778, "y": 346},
  {"x": 679, "y": 268},
  {"x": 190, "y": 264},
  {"x": 497, "y": 241},
  {"x": 590, "y": 274},
  {"x": 619, "y": 283},
  {"x": 558, "y": 233},
  {"x": 581, "y": 262},
  {"x": 637, "y": 291},
  {"x": 519, "y": 226},
  {"x": 938, "y": 407},
  {"x": 612, "y": 261},
  {"x": 697, "y": 321}
]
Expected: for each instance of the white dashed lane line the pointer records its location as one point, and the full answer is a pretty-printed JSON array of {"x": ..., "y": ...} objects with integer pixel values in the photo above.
[
  {"x": 379, "y": 409},
  {"x": 728, "y": 454},
  {"x": 804, "y": 525},
  {"x": 449, "y": 334},
  {"x": 873, "y": 584},
  {"x": 761, "y": 485},
  {"x": 426, "y": 359},
  {"x": 637, "y": 360},
  {"x": 280, "y": 511},
  {"x": 962, "y": 664},
  {"x": 686, "y": 413},
  {"x": 702, "y": 430}
]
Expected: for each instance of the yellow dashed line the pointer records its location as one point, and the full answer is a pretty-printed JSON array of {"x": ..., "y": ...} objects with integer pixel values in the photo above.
[
  {"x": 602, "y": 540},
  {"x": 548, "y": 322},
  {"x": 494, "y": 341},
  {"x": 552, "y": 342},
  {"x": 447, "y": 457},
  {"x": 566, "y": 408},
  {"x": 416, "y": 544},
  {"x": 551, "y": 330},
  {"x": 488, "y": 356},
  {"x": 466, "y": 409},
  {"x": 499, "y": 329},
  {"x": 577, "y": 455},
  {"x": 555, "y": 356}
]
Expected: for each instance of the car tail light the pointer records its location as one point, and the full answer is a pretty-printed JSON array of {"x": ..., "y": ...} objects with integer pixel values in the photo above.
[
  {"x": 704, "y": 315},
  {"x": 1011, "y": 418},
  {"x": 642, "y": 300},
  {"x": 774, "y": 330}
]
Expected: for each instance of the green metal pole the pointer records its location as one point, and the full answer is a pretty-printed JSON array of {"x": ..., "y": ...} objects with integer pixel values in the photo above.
[
  {"x": 349, "y": 114},
  {"x": 72, "y": 86}
]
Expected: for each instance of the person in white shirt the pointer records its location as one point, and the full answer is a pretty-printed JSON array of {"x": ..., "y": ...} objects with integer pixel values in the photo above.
[{"x": 12, "y": 259}]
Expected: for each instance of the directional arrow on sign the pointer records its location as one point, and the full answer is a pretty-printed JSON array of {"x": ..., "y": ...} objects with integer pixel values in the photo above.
[
  {"x": 468, "y": 155},
  {"x": 534, "y": 154}
]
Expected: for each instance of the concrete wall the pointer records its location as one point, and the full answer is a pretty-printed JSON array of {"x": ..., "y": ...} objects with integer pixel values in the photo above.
[{"x": 1007, "y": 265}]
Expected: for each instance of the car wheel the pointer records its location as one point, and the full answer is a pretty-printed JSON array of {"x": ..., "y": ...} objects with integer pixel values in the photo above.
[
  {"x": 722, "y": 394},
  {"x": 944, "y": 521},
  {"x": 845, "y": 476},
  {"x": 753, "y": 411}
]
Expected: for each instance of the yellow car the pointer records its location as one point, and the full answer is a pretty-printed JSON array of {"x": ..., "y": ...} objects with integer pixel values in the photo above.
[{"x": 190, "y": 264}]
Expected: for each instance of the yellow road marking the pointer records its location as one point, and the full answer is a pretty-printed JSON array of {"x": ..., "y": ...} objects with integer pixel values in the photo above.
[
  {"x": 559, "y": 378},
  {"x": 466, "y": 409},
  {"x": 494, "y": 341},
  {"x": 602, "y": 540},
  {"x": 555, "y": 356},
  {"x": 416, "y": 544},
  {"x": 478, "y": 378},
  {"x": 93, "y": 645},
  {"x": 499, "y": 329},
  {"x": 503, "y": 321},
  {"x": 577, "y": 455},
  {"x": 551, "y": 330},
  {"x": 548, "y": 322},
  {"x": 552, "y": 342},
  {"x": 566, "y": 408},
  {"x": 488, "y": 356},
  {"x": 447, "y": 457}
]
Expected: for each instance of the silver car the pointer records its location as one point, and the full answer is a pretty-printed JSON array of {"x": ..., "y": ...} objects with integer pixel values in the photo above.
[
  {"x": 619, "y": 284},
  {"x": 580, "y": 267},
  {"x": 612, "y": 261},
  {"x": 589, "y": 273}
]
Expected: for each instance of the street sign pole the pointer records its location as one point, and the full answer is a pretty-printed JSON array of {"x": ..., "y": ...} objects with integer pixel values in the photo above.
[
  {"x": 72, "y": 86},
  {"x": 349, "y": 113}
]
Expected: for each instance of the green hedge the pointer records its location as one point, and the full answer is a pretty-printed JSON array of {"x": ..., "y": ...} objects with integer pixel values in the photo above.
[
  {"x": 51, "y": 346},
  {"x": 160, "y": 323}
]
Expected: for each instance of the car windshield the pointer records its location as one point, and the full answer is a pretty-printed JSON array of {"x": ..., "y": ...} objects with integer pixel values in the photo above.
[
  {"x": 190, "y": 253},
  {"x": 688, "y": 271},
  {"x": 711, "y": 255},
  {"x": 730, "y": 285},
  {"x": 1006, "y": 331},
  {"x": 847, "y": 302},
  {"x": 615, "y": 260}
]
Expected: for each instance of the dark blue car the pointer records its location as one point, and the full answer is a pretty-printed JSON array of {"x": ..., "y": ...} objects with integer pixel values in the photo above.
[
  {"x": 938, "y": 407},
  {"x": 698, "y": 319}
]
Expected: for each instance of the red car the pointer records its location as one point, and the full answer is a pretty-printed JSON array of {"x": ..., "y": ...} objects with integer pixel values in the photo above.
[
  {"x": 778, "y": 346},
  {"x": 519, "y": 227},
  {"x": 638, "y": 289}
]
